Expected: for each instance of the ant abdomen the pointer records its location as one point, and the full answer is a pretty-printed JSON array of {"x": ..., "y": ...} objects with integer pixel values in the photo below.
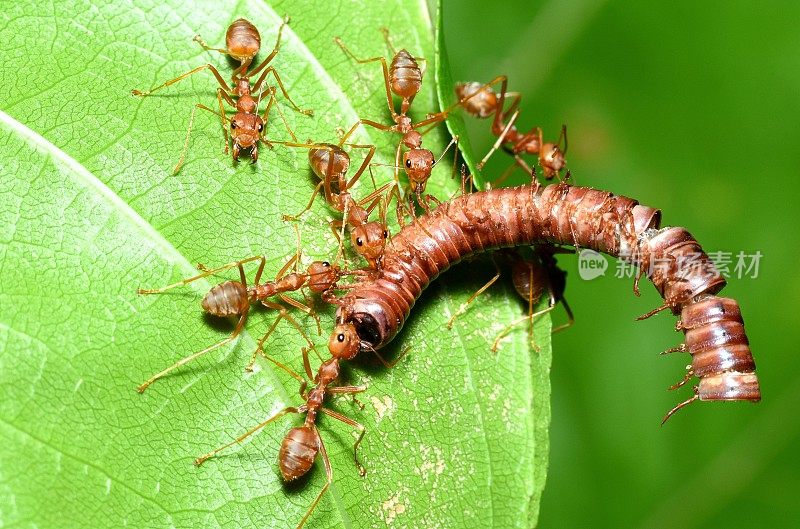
[
  {"x": 243, "y": 40},
  {"x": 529, "y": 278},
  {"x": 329, "y": 162},
  {"x": 226, "y": 299},
  {"x": 298, "y": 451},
  {"x": 405, "y": 75},
  {"x": 481, "y": 105}
]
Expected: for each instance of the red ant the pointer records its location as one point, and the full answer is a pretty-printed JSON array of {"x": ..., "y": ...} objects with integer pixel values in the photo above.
[
  {"x": 302, "y": 444},
  {"x": 234, "y": 298},
  {"x": 532, "y": 278},
  {"x": 247, "y": 127},
  {"x": 403, "y": 77},
  {"x": 481, "y": 101},
  {"x": 331, "y": 163}
]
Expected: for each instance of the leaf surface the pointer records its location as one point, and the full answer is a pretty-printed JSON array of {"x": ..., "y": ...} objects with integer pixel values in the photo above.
[{"x": 90, "y": 211}]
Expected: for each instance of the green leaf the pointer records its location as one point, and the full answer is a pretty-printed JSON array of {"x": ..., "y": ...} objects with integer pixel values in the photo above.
[
  {"x": 90, "y": 211},
  {"x": 445, "y": 92}
]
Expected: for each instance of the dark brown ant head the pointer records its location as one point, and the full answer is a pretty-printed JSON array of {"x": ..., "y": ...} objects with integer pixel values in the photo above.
[
  {"x": 418, "y": 164},
  {"x": 226, "y": 299},
  {"x": 242, "y": 40},
  {"x": 328, "y": 372},
  {"x": 322, "y": 276},
  {"x": 328, "y": 161},
  {"x": 412, "y": 139},
  {"x": 298, "y": 451},
  {"x": 344, "y": 342},
  {"x": 482, "y": 105},
  {"x": 405, "y": 75},
  {"x": 552, "y": 160},
  {"x": 369, "y": 241},
  {"x": 246, "y": 131}
]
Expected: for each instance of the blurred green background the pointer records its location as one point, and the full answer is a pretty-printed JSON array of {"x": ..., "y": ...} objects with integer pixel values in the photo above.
[{"x": 694, "y": 108}]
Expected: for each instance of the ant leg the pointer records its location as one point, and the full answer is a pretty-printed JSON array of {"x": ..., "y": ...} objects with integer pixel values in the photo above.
[
  {"x": 290, "y": 409},
  {"x": 358, "y": 426},
  {"x": 388, "y": 41},
  {"x": 257, "y": 87},
  {"x": 570, "y": 318},
  {"x": 207, "y": 272},
  {"x": 285, "y": 315},
  {"x": 222, "y": 94},
  {"x": 191, "y": 357},
  {"x": 371, "y": 123},
  {"x": 563, "y": 136},
  {"x": 385, "y": 67},
  {"x": 346, "y": 390},
  {"x": 198, "y": 39},
  {"x": 260, "y": 349},
  {"x": 513, "y": 324},
  {"x": 500, "y": 140},
  {"x": 336, "y": 226},
  {"x": 364, "y": 164},
  {"x": 272, "y": 100},
  {"x": 397, "y": 155},
  {"x": 435, "y": 118},
  {"x": 272, "y": 54},
  {"x": 349, "y": 390},
  {"x": 328, "y": 478},
  {"x": 480, "y": 291},
  {"x": 221, "y": 81},
  {"x": 189, "y": 133},
  {"x": 308, "y": 206},
  {"x": 305, "y": 308},
  {"x": 374, "y": 197},
  {"x": 518, "y": 162}
]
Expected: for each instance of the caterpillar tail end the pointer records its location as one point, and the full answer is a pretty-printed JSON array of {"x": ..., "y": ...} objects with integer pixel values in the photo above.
[{"x": 730, "y": 386}]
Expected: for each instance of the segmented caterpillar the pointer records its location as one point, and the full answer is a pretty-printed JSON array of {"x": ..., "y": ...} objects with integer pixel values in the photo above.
[{"x": 377, "y": 307}]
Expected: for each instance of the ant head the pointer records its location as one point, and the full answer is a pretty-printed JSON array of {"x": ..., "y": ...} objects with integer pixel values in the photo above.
[
  {"x": 322, "y": 276},
  {"x": 552, "y": 160},
  {"x": 298, "y": 451},
  {"x": 369, "y": 241},
  {"x": 418, "y": 164},
  {"x": 344, "y": 342},
  {"x": 328, "y": 160},
  {"x": 246, "y": 130}
]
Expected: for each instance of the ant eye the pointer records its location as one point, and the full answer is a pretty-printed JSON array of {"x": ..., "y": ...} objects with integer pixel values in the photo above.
[
  {"x": 340, "y": 337},
  {"x": 260, "y": 127},
  {"x": 359, "y": 242},
  {"x": 408, "y": 162},
  {"x": 233, "y": 125},
  {"x": 326, "y": 264},
  {"x": 385, "y": 234}
]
